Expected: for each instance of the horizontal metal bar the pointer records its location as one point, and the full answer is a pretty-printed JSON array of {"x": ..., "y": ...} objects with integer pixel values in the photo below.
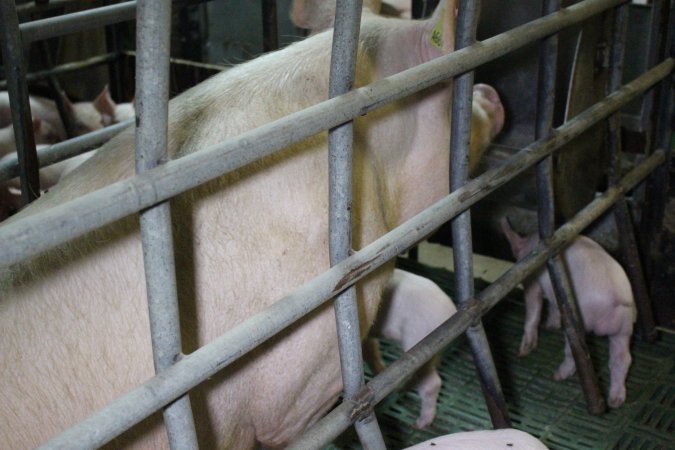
[
  {"x": 338, "y": 420},
  {"x": 67, "y": 68},
  {"x": 142, "y": 401},
  {"x": 83, "y": 20},
  {"x": 117, "y": 200},
  {"x": 79, "y": 21},
  {"x": 31, "y": 7},
  {"x": 9, "y": 166}
]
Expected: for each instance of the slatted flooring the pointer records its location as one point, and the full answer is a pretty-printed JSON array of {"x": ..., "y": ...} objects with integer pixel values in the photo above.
[{"x": 553, "y": 411}]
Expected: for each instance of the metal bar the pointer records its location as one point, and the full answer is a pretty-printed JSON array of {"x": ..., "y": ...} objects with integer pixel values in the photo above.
[
  {"x": 566, "y": 300},
  {"x": 79, "y": 21},
  {"x": 330, "y": 427},
  {"x": 15, "y": 68},
  {"x": 112, "y": 44},
  {"x": 269, "y": 20},
  {"x": 142, "y": 401},
  {"x": 616, "y": 62},
  {"x": 451, "y": 65},
  {"x": 633, "y": 266},
  {"x": 365, "y": 99},
  {"x": 59, "y": 96},
  {"x": 461, "y": 226},
  {"x": 340, "y": 139},
  {"x": 655, "y": 50},
  {"x": 36, "y": 6},
  {"x": 343, "y": 62},
  {"x": 9, "y": 165},
  {"x": 624, "y": 223},
  {"x": 152, "y": 96},
  {"x": 19, "y": 238},
  {"x": 573, "y": 327},
  {"x": 263, "y": 141},
  {"x": 66, "y": 68},
  {"x": 652, "y": 218}
]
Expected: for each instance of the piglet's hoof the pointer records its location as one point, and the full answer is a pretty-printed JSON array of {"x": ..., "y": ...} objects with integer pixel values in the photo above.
[
  {"x": 526, "y": 346},
  {"x": 617, "y": 399},
  {"x": 563, "y": 373},
  {"x": 552, "y": 323}
]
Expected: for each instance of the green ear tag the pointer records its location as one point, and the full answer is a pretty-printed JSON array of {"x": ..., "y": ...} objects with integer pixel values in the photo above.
[{"x": 437, "y": 32}]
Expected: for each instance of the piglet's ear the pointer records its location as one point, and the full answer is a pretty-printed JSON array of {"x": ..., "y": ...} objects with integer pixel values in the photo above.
[
  {"x": 66, "y": 101},
  {"x": 517, "y": 242},
  {"x": 445, "y": 20},
  {"x": 104, "y": 103}
]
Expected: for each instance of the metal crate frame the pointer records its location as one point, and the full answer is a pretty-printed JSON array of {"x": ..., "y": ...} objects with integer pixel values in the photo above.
[{"x": 150, "y": 189}]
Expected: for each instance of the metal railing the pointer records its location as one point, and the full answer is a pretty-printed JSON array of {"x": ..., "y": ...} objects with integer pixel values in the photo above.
[
  {"x": 138, "y": 404},
  {"x": 153, "y": 186}
]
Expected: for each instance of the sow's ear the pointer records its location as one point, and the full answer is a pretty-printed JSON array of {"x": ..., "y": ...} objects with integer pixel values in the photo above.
[
  {"x": 445, "y": 21},
  {"x": 313, "y": 15},
  {"x": 318, "y": 15}
]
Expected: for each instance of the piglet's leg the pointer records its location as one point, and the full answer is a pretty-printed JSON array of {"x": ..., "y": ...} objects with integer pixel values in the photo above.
[
  {"x": 567, "y": 366},
  {"x": 533, "y": 305},
  {"x": 619, "y": 362},
  {"x": 428, "y": 387},
  {"x": 553, "y": 318}
]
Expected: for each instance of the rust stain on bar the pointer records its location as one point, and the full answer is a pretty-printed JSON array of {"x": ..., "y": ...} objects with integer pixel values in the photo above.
[{"x": 353, "y": 274}]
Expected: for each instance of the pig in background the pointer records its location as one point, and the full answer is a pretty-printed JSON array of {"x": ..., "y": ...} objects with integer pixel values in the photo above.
[
  {"x": 42, "y": 131},
  {"x": 85, "y": 115},
  {"x": 505, "y": 439},
  {"x": 605, "y": 301},
  {"x": 103, "y": 111},
  {"x": 112, "y": 112},
  {"x": 74, "y": 320},
  {"x": 412, "y": 307},
  {"x": 10, "y": 193}
]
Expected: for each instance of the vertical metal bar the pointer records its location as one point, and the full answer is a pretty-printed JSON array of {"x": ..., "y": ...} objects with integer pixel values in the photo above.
[
  {"x": 270, "y": 31},
  {"x": 112, "y": 44},
  {"x": 461, "y": 226},
  {"x": 655, "y": 49},
  {"x": 57, "y": 92},
  {"x": 342, "y": 73},
  {"x": 15, "y": 71},
  {"x": 564, "y": 292},
  {"x": 152, "y": 94},
  {"x": 624, "y": 223},
  {"x": 657, "y": 188},
  {"x": 418, "y": 10}
]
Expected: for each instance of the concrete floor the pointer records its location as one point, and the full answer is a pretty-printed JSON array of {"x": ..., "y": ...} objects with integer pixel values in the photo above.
[{"x": 484, "y": 267}]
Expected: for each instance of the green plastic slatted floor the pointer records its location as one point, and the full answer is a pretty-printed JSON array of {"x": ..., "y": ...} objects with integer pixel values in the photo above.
[{"x": 553, "y": 411}]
